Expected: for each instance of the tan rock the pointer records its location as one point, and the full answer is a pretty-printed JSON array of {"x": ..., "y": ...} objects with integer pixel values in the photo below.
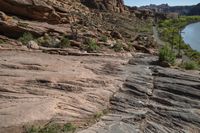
[
  {"x": 75, "y": 43},
  {"x": 43, "y": 87},
  {"x": 32, "y": 45}
]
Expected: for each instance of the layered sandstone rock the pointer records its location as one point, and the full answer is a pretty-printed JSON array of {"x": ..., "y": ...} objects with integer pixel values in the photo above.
[
  {"x": 34, "y": 9},
  {"x": 37, "y": 87},
  {"x": 50, "y": 11},
  {"x": 153, "y": 100}
]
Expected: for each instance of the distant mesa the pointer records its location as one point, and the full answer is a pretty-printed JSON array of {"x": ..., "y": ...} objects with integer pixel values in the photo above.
[{"x": 182, "y": 10}]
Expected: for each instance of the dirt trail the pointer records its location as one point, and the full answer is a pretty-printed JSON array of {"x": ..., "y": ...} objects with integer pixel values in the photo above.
[{"x": 156, "y": 36}]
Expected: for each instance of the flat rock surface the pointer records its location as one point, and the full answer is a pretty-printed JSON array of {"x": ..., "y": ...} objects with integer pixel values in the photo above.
[
  {"x": 153, "y": 100},
  {"x": 37, "y": 87},
  {"x": 143, "y": 97}
]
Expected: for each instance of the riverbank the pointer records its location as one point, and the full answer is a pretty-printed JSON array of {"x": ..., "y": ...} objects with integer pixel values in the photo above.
[
  {"x": 170, "y": 30},
  {"x": 190, "y": 35}
]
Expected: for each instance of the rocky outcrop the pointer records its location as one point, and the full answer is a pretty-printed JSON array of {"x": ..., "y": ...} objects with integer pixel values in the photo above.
[
  {"x": 38, "y": 88},
  {"x": 50, "y": 11},
  {"x": 153, "y": 99},
  {"x": 109, "y": 5},
  {"x": 15, "y": 28},
  {"x": 34, "y": 9}
]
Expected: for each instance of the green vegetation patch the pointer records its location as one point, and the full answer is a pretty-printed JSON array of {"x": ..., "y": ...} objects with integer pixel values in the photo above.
[
  {"x": 103, "y": 39},
  {"x": 52, "y": 128},
  {"x": 92, "y": 46},
  {"x": 22, "y": 24},
  {"x": 167, "y": 55},
  {"x": 98, "y": 115},
  {"x": 118, "y": 47},
  {"x": 26, "y": 37},
  {"x": 190, "y": 65},
  {"x": 64, "y": 43},
  {"x": 2, "y": 41},
  {"x": 49, "y": 41},
  {"x": 170, "y": 32}
]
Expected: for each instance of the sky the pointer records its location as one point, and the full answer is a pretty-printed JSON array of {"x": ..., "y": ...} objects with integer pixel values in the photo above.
[{"x": 157, "y": 2}]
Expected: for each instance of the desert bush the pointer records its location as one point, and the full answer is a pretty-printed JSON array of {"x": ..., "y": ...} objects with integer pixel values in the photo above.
[
  {"x": 2, "y": 41},
  {"x": 64, "y": 43},
  {"x": 92, "y": 46},
  {"x": 104, "y": 38},
  {"x": 167, "y": 55},
  {"x": 48, "y": 41},
  {"x": 190, "y": 65},
  {"x": 20, "y": 24},
  {"x": 26, "y": 38},
  {"x": 98, "y": 115},
  {"x": 118, "y": 47},
  {"x": 129, "y": 47},
  {"x": 52, "y": 128}
]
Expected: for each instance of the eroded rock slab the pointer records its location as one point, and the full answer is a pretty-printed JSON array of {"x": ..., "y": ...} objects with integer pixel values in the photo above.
[
  {"x": 153, "y": 100},
  {"x": 37, "y": 87}
]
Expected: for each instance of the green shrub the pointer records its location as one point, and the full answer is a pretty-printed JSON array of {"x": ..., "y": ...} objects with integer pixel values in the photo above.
[
  {"x": 2, "y": 41},
  {"x": 190, "y": 65},
  {"x": 20, "y": 24},
  {"x": 26, "y": 38},
  {"x": 129, "y": 47},
  {"x": 104, "y": 39},
  {"x": 48, "y": 41},
  {"x": 92, "y": 46},
  {"x": 64, "y": 43},
  {"x": 52, "y": 128},
  {"x": 169, "y": 32},
  {"x": 167, "y": 55},
  {"x": 98, "y": 115},
  {"x": 69, "y": 128},
  {"x": 118, "y": 47}
]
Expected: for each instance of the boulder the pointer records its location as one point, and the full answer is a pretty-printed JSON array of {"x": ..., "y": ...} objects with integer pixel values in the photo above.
[
  {"x": 32, "y": 45},
  {"x": 116, "y": 35},
  {"x": 142, "y": 48},
  {"x": 75, "y": 43},
  {"x": 90, "y": 34},
  {"x": 164, "y": 64}
]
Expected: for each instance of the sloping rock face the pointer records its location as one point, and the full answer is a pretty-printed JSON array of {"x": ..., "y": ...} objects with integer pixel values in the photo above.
[
  {"x": 38, "y": 88},
  {"x": 15, "y": 28},
  {"x": 153, "y": 100},
  {"x": 50, "y": 11},
  {"x": 32, "y": 9},
  {"x": 54, "y": 11},
  {"x": 109, "y": 5},
  {"x": 72, "y": 19},
  {"x": 37, "y": 17}
]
